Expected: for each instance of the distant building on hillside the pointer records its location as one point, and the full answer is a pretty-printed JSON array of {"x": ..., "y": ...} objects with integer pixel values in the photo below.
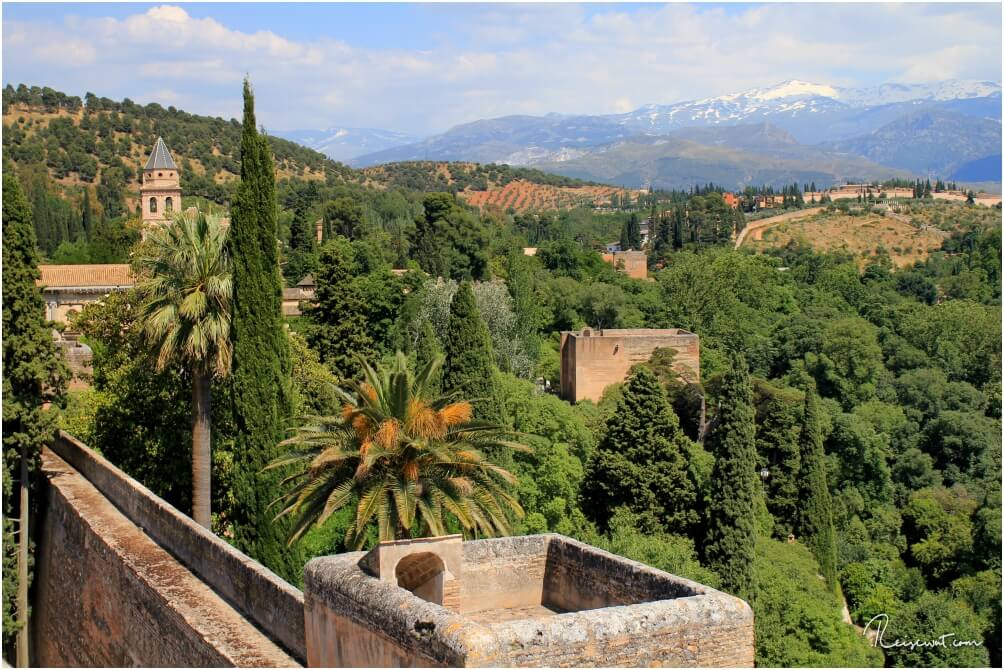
[
  {"x": 160, "y": 192},
  {"x": 592, "y": 360},
  {"x": 632, "y": 263}
]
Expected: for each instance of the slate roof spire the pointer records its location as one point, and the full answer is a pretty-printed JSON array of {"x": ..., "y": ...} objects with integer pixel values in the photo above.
[{"x": 160, "y": 157}]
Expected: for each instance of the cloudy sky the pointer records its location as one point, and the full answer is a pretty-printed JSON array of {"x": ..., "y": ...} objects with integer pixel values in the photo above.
[{"x": 423, "y": 68}]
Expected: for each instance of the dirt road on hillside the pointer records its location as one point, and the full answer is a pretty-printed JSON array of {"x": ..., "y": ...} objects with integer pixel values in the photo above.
[{"x": 756, "y": 228}]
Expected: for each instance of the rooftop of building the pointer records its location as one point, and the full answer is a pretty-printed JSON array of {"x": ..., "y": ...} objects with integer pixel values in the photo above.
[
  {"x": 629, "y": 332},
  {"x": 85, "y": 276},
  {"x": 523, "y": 601},
  {"x": 160, "y": 157}
]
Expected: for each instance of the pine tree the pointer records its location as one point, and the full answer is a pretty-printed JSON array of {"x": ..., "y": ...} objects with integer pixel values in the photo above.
[
  {"x": 338, "y": 329},
  {"x": 815, "y": 525},
  {"x": 469, "y": 370},
  {"x": 731, "y": 540},
  {"x": 261, "y": 360},
  {"x": 641, "y": 462},
  {"x": 33, "y": 374}
]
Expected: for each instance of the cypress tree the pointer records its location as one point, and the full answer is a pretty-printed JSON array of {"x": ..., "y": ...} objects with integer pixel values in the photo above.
[
  {"x": 426, "y": 349},
  {"x": 338, "y": 329},
  {"x": 301, "y": 233},
  {"x": 33, "y": 374},
  {"x": 779, "y": 414},
  {"x": 469, "y": 369},
  {"x": 678, "y": 228},
  {"x": 640, "y": 462},
  {"x": 261, "y": 359},
  {"x": 731, "y": 540},
  {"x": 816, "y": 517},
  {"x": 520, "y": 285},
  {"x": 87, "y": 216}
]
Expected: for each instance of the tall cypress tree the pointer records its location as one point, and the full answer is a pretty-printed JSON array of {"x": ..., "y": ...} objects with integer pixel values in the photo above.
[
  {"x": 731, "y": 540},
  {"x": 816, "y": 516},
  {"x": 678, "y": 224},
  {"x": 525, "y": 304},
  {"x": 469, "y": 369},
  {"x": 641, "y": 462},
  {"x": 261, "y": 360},
  {"x": 87, "y": 216},
  {"x": 428, "y": 348},
  {"x": 338, "y": 329},
  {"x": 33, "y": 374}
]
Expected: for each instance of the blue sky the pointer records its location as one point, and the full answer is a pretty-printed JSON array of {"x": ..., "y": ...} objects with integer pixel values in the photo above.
[{"x": 421, "y": 68}]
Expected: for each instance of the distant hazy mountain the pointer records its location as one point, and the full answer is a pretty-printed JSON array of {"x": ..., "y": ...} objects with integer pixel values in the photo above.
[
  {"x": 927, "y": 141},
  {"x": 497, "y": 140},
  {"x": 344, "y": 144},
  {"x": 807, "y": 114},
  {"x": 987, "y": 169},
  {"x": 732, "y": 156}
]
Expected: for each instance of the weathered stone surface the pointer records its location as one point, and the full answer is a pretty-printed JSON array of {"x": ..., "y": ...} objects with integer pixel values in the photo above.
[
  {"x": 106, "y": 594},
  {"x": 542, "y": 600},
  {"x": 273, "y": 604}
]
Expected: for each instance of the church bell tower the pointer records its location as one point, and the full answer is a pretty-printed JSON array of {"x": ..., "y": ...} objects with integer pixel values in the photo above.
[{"x": 160, "y": 192}]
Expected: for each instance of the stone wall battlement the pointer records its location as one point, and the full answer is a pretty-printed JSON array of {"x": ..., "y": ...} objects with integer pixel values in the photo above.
[{"x": 266, "y": 602}]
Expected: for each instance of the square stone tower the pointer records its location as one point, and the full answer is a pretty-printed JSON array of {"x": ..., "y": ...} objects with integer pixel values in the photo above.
[
  {"x": 160, "y": 193},
  {"x": 592, "y": 360},
  {"x": 534, "y": 601}
]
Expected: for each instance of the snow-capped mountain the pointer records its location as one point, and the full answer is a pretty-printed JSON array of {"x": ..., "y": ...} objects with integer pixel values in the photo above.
[
  {"x": 789, "y": 103},
  {"x": 808, "y": 114},
  {"x": 345, "y": 144}
]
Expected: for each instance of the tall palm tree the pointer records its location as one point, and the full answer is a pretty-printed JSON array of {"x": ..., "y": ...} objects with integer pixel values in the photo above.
[
  {"x": 405, "y": 456},
  {"x": 189, "y": 291}
]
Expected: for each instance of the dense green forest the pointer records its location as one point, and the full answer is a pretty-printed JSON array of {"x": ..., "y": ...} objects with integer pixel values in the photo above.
[{"x": 847, "y": 422}]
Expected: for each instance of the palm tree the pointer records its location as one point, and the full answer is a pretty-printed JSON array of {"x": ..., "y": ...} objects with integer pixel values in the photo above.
[
  {"x": 187, "y": 317},
  {"x": 404, "y": 456}
]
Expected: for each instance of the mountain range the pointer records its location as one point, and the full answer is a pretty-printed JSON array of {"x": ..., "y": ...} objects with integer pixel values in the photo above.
[
  {"x": 793, "y": 131},
  {"x": 344, "y": 144}
]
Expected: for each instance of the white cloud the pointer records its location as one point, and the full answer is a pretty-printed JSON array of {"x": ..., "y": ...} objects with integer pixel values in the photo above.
[{"x": 491, "y": 60}]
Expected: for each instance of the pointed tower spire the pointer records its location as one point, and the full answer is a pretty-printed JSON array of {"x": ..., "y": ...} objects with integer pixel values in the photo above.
[
  {"x": 160, "y": 192},
  {"x": 160, "y": 157}
]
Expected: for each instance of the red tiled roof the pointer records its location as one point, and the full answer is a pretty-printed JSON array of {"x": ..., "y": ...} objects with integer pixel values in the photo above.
[{"x": 112, "y": 274}]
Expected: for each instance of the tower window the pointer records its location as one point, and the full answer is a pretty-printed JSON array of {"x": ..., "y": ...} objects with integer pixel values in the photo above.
[
  {"x": 168, "y": 204},
  {"x": 153, "y": 205},
  {"x": 160, "y": 174}
]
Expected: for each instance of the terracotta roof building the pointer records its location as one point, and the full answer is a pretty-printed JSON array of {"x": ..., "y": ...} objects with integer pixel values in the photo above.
[{"x": 69, "y": 288}]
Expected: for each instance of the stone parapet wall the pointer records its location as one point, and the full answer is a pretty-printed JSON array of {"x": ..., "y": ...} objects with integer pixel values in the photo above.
[
  {"x": 703, "y": 631},
  {"x": 356, "y": 620},
  {"x": 503, "y": 572},
  {"x": 107, "y": 595},
  {"x": 272, "y": 604}
]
